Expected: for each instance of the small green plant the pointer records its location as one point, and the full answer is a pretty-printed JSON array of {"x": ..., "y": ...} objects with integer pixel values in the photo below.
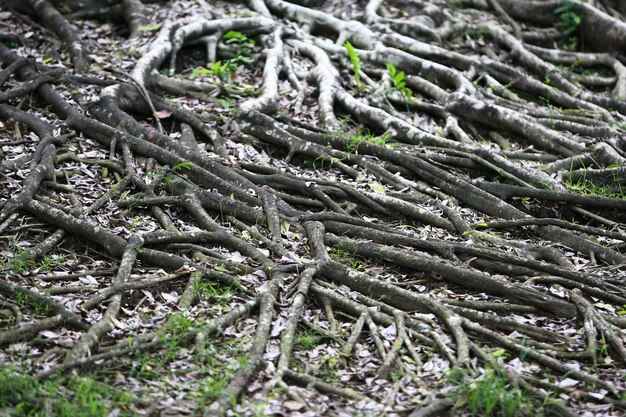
[
  {"x": 183, "y": 166},
  {"x": 491, "y": 395},
  {"x": 243, "y": 46},
  {"x": 621, "y": 127},
  {"x": 225, "y": 70},
  {"x": 165, "y": 176},
  {"x": 316, "y": 164},
  {"x": 222, "y": 70},
  {"x": 355, "y": 61},
  {"x": 7, "y": 320},
  {"x": 355, "y": 140},
  {"x": 172, "y": 333},
  {"x": 115, "y": 192},
  {"x": 39, "y": 307},
  {"x": 397, "y": 78},
  {"x": 305, "y": 340},
  {"x": 26, "y": 395},
  {"x": 357, "y": 265},
  {"x": 221, "y": 360},
  {"x": 587, "y": 187},
  {"x": 569, "y": 19},
  {"x": 213, "y": 387},
  {"x": 571, "y": 44},
  {"x": 623, "y": 311},
  {"x": 328, "y": 368},
  {"x": 226, "y": 102},
  {"x": 346, "y": 258},
  {"x": 22, "y": 261},
  {"x": 569, "y": 23},
  {"x": 177, "y": 324},
  {"x": 216, "y": 293},
  {"x": 146, "y": 365},
  {"x": 337, "y": 255}
]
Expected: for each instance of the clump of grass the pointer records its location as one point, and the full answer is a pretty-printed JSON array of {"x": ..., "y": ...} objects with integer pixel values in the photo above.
[
  {"x": 492, "y": 395},
  {"x": 171, "y": 335},
  {"x": 38, "y": 307},
  {"x": 216, "y": 293},
  {"x": 25, "y": 395},
  {"x": 305, "y": 340},
  {"x": 221, "y": 360},
  {"x": 587, "y": 187},
  {"x": 580, "y": 184},
  {"x": 23, "y": 261},
  {"x": 355, "y": 140}
]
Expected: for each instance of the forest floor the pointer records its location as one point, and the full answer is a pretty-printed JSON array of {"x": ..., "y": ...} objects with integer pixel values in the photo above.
[{"x": 329, "y": 208}]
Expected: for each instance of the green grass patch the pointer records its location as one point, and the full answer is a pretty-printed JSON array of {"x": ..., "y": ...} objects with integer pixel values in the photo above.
[
  {"x": 587, "y": 187},
  {"x": 305, "y": 339},
  {"x": 492, "y": 395},
  {"x": 216, "y": 293},
  {"x": 220, "y": 360},
  {"x": 355, "y": 140},
  {"x": 24, "y": 395},
  {"x": 23, "y": 261}
]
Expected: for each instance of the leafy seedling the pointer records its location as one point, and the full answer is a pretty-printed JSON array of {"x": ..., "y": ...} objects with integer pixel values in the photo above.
[
  {"x": 570, "y": 20},
  {"x": 355, "y": 61},
  {"x": 569, "y": 23},
  {"x": 397, "y": 78},
  {"x": 243, "y": 46}
]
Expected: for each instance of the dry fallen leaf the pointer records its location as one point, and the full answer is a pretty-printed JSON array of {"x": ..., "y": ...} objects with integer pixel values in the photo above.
[
  {"x": 163, "y": 114},
  {"x": 568, "y": 382},
  {"x": 170, "y": 297},
  {"x": 293, "y": 405}
]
